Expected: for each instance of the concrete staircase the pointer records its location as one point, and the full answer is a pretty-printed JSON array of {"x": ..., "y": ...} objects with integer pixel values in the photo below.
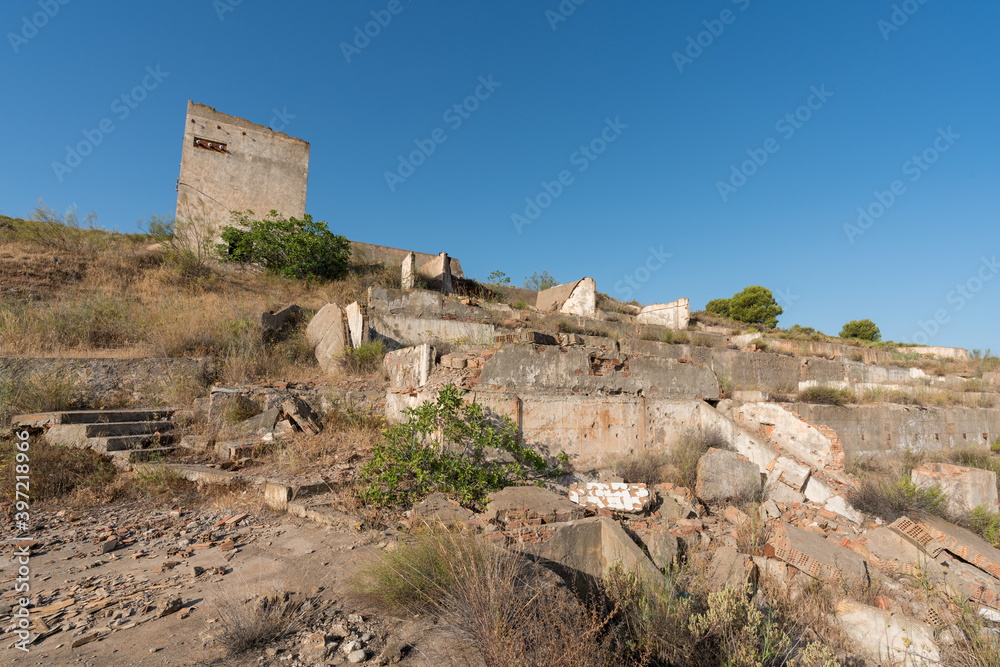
[{"x": 127, "y": 436}]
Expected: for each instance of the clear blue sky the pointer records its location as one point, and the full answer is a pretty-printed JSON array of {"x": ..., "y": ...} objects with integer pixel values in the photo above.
[{"x": 888, "y": 91}]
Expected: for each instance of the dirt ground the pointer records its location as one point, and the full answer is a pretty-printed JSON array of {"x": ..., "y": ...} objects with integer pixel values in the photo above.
[{"x": 119, "y": 607}]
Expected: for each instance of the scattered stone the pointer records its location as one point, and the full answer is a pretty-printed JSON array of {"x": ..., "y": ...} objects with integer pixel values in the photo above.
[
  {"x": 171, "y": 605},
  {"x": 728, "y": 567}
]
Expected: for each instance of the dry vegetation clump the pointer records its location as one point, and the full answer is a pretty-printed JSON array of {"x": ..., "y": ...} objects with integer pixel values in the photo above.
[
  {"x": 646, "y": 467},
  {"x": 40, "y": 392},
  {"x": 685, "y": 453},
  {"x": 514, "y": 611},
  {"x": 348, "y": 435},
  {"x": 826, "y": 395},
  {"x": 257, "y": 622}
]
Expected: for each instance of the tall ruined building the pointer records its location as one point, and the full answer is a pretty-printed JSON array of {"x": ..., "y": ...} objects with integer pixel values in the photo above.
[{"x": 230, "y": 164}]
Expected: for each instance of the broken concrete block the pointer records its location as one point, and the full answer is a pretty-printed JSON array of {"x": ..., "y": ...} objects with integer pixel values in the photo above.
[
  {"x": 728, "y": 567},
  {"x": 327, "y": 335},
  {"x": 887, "y": 638},
  {"x": 723, "y": 475},
  {"x": 272, "y": 322},
  {"x": 617, "y": 496},
  {"x": 410, "y": 367},
  {"x": 531, "y": 502},
  {"x": 791, "y": 473},
  {"x": 260, "y": 424},
  {"x": 673, "y": 508},
  {"x": 303, "y": 415},
  {"x": 591, "y": 546},
  {"x": 664, "y": 547},
  {"x": 357, "y": 325},
  {"x": 437, "y": 509},
  {"x": 839, "y": 505},
  {"x": 934, "y": 535},
  {"x": 438, "y": 270},
  {"x": 965, "y": 488},
  {"x": 676, "y": 314},
  {"x": 576, "y": 298},
  {"x": 816, "y": 556}
]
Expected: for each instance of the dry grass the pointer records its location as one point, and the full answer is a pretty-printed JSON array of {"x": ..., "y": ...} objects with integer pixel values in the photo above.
[
  {"x": 753, "y": 534},
  {"x": 35, "y": 393},
  {"x": 256, "y": 623},
  {"x": 646, "y": 467},
  {"x": 687, "y": 450},
  {"x": 129, "y": 301},
  {"x": 347, "y": 436},
  {"x": 511, "y": 609}
]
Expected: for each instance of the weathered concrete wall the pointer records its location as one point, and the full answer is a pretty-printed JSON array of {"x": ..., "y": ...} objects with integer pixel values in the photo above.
[
  {"x": 955, "y": 353},
  {"x": 675, "y": 315},
  {"x": 404, "y": 331},
  {"x": 590, "y": 371},
  {"x": 100, "y": 383},
  {"x": 873, "y": 429},
  {"x": 368, "y": 253},
  {"x": 576, "y": 298},
  {"x": 230, "y": 164}
]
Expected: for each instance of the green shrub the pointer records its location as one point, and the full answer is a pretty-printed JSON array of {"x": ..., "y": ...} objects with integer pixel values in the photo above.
[
  {"x": 540, "y": 281},
  {"x": 289, "y": 247},
  {"x": 986, "y": 522},
  {"x": 673, "y": 337},
  {"x": 477, "y": 454},
  {"x": 755, "y": 305},
  {"x": 826, "y": 395},
  {"x": 862, "y": 330},
  {"x": 719, "y": 307}
]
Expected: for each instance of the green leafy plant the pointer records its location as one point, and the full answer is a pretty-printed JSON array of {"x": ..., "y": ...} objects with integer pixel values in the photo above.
[
  {"x": 862, "y": 330},
  {"x": 285, "y": 246},
  {"x": 755, "y": 305},
  {"x": 718, "y": 307},
  {"x": 365, "y": 359},
  {"x": 497, "y": 279},
  {"x": 826, "y": 395},
  {"x": 450, "y": 446},
  {"x": 539, "y": 281}
]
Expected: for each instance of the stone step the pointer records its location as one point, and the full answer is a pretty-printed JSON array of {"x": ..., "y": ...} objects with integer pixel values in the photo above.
[
  {"x": 126, "y": 428},
  {"x": 125, "y": 458},
  {"x": 118, "y": 443},
  {"x": 40, "y": 419}
]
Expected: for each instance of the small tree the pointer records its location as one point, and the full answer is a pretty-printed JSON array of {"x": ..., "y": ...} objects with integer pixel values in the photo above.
[
  {"x": 862, "y": 330},
  {"x": 285, "y": 246},
  {"x": 755, "y": 305},
  {"x": 719, "y": 307},
  {"x": 540, "y": 281}
]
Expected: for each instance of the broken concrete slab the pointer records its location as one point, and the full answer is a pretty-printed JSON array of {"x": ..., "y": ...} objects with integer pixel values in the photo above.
[
  {"x": 933, "y": 535},
  {"x": 357, "y": 325},
  {"x": 818, "y": 557},
  {"x": 410, "y": 367},
  {"x": 965, "y": 488},
  {"x": 327, "y": 335},
  {"x": 790, "y": 472},
  {"x": 675, "y": 315},
  {"x": 531, "y": 502},
  {"x": 437, "y": 509},
  {"x": 576, "y": 298},
  {"x": 259, "y": 424},
  {"x": 592, "y": 546},
  {"x": 887, "y": 638},
  {"x": 303, "y": 415},
  {"x": 273, "y": 322},
  {"x": 723, "y": 475},
  {"x": 730, "y": 568},
  {"x": 408, "y": 271},
  {"x": 617, "y": 496}
]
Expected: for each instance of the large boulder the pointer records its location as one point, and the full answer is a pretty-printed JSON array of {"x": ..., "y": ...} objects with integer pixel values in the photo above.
[
  {"x": 327, "y": 335},
  {"x": 723, "y": 475}
]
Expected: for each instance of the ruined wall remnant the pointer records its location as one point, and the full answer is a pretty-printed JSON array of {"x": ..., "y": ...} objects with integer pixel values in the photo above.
[
  {"x": 675, "y": 314},
  {"x": 576, "y": 298},
  {"x": 230, "y": 164},
  {"x": 368, "y": 253}
]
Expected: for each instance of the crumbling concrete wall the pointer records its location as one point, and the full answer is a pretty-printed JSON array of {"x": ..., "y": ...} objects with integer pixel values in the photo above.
[
  {"x": 230, "y": 164},
  {"x": 874, "y": 429},
  {"x": 675, "y": 315},
  {"x": 368, "y": 253},
  {"x": 589, "y": 371}
]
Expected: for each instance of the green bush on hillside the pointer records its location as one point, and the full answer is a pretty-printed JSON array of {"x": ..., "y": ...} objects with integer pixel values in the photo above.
[{"x": 290, "y": 247}]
